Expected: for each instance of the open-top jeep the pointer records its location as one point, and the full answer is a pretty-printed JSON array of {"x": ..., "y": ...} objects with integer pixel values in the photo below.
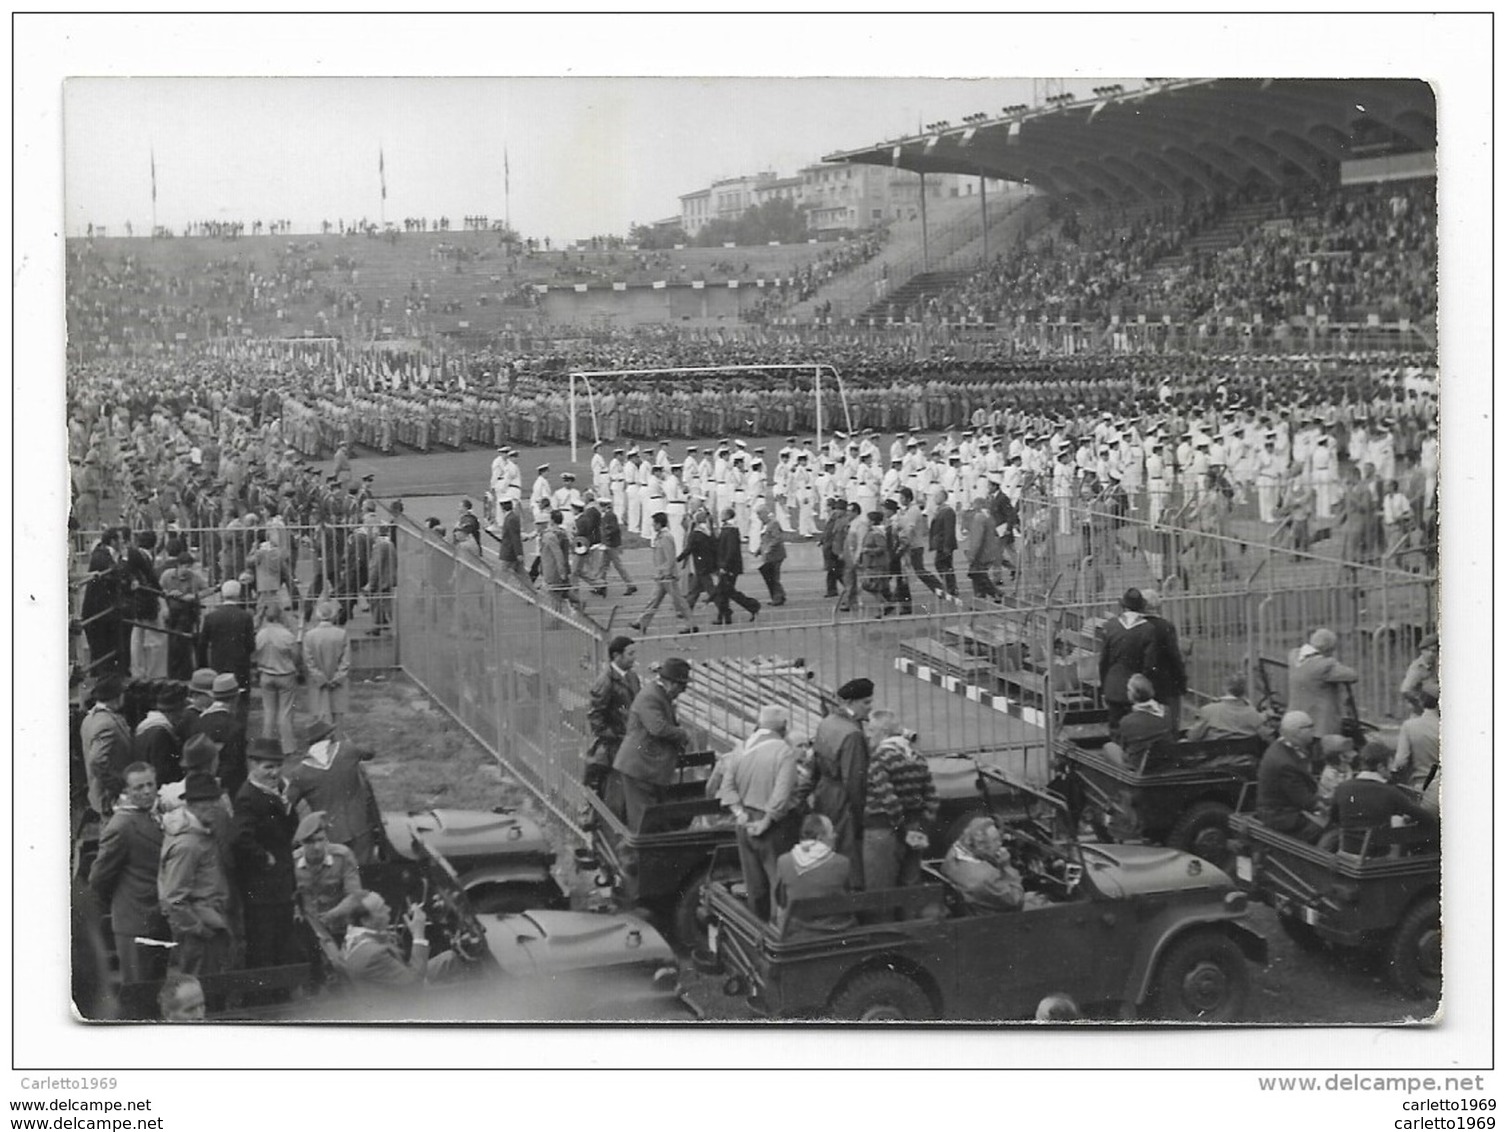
[
  {"x": 1123, "y": 929},
  {"x": 1177, "y": 792},
  {"x": 1376, "y": 892}
]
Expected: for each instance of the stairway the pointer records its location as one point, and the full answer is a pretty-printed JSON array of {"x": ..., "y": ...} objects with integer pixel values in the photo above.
[
  {"x": 915, "y": 290},
  {"x": 1227, "y": 232}
]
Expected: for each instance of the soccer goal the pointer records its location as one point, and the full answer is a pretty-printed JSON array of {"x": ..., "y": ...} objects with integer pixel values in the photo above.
[{"x": 583, "y": 384}]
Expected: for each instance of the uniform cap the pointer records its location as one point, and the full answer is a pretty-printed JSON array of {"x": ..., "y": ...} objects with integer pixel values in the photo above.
[{"x": 309, "y": 826}]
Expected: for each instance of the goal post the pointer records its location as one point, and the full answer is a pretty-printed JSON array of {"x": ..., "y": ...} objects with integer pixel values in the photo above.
[{"x": 816, "y": 370}]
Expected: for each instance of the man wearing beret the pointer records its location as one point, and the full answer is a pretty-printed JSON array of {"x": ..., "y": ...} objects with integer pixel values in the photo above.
[
  {"x": 839, "y": 774},
  {"x": 264, "y": 828},
  {"x": 653, "y": 741},
  {"x": 328, "y": 879}
]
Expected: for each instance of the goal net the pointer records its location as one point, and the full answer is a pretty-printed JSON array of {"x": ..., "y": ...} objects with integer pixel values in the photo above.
[{"x": 584, "y": 386}]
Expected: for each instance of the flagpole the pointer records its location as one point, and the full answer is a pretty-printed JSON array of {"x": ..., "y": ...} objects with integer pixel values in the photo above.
[
  {"x": 506, "y": 191},
  {"x": 382, "y": 177},
  {"x": 153, "y": 152}
]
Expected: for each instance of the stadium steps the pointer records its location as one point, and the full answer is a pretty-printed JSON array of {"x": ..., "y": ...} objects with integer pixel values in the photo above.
[
  {"x": 916, "y": 290},
  {"x": 1229, "y": 231}
]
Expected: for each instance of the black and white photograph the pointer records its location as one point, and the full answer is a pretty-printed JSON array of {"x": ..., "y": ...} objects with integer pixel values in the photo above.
[{"x": 915, "y": 554}]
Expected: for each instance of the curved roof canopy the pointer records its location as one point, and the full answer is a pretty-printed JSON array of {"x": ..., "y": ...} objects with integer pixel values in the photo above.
[{"x": 1177, "y": 137}]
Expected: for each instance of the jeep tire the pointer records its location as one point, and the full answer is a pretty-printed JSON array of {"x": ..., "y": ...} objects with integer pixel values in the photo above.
[
  {"x": 1201, "y": 978},
  {"x": 1415, "y": 954},
  {"x": 685, "y": 921},
  {"x": 1203, "y": 831},
  {"x": 881, "y": 995}
]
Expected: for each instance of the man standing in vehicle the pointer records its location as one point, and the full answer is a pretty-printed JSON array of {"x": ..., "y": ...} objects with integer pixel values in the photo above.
[
  {"x": 653, "y": 741},
  {"x": 839, "y": 775},
  {"x": 612, "y": 698},
  {"x": 759, "y": 789}
]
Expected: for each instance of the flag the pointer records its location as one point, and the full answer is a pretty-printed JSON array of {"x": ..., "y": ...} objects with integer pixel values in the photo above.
[
  {"x": 382, "y": 170},
  {"x": 154, "y": 176}
]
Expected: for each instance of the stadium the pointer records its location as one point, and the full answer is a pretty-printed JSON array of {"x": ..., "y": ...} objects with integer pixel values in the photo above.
[{"x": 1176, "y": 340}]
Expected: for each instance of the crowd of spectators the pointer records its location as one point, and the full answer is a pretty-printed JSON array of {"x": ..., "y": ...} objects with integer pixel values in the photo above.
[{"x": 1344, "y": 254}]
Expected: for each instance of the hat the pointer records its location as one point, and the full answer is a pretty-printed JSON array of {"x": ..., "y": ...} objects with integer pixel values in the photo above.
[
  {"x": 859, "y": 689},
  {"x": 203, "y": 680},
  {"x": 171, "y": 697},
  {"x": 225, "y": 686},
  {"x": 319, "y": 729},
  {"x": 265, "y": 750},
  {"x": 200, "y": 787},
  {"x": 108, "y": 687},
  {"x": 199, "y": 753},
  {"x": 1428, "y": 642},
  {"x": 545, "y": 467},
  {"x": 675, "y": 668},
  {"x": 231, "y": 590},
  {"x": 312, "y": 824}
]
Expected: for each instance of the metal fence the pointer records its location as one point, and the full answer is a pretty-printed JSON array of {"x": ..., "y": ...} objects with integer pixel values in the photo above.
[
  {"x": 512, "y": 670},
  {"x": 1237, "y": 600}
]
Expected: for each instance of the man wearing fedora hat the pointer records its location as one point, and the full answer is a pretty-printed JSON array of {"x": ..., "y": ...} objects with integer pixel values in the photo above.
[
  {"x": 653, "y": 741},
  {"x": 159, "y": 736},
  {"x": 331, "y": 779},
  {"x": 223, "y": 724},
  {"x": 192, "y": 881},
  {"x": 200, "y": 696},
  {"x": 264, "y": 828}
]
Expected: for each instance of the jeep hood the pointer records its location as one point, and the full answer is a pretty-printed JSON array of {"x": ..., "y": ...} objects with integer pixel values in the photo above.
[
  {"x": 1119, "y": 871},
  {"x": 538, "y": 942},
  {"x": 462, "y": 834}
]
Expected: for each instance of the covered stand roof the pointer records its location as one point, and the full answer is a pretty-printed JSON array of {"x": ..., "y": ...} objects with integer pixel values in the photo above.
[{"x": 1177, "y": 138}]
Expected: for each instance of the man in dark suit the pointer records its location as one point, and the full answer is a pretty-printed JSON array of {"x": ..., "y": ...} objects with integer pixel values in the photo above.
[
  {"x": 1167, "y": 669},
  {"x": 1127, "y": 641},
  {"x": 264, "y": 828},
  {"x": 1286, "y": 792},
  {"x": 1367, "y": 801},
  {"x": 943, "y": 541},
  {"x": 833, "y": 536},
  {"x": 653, "y": 741},
  {"x": 729, "y": 565},
  {"x": 124, "y": 876},
  {"x": 510, "y": 552},
  {"x": 101, "y": 608},
  {"x": 612, "y": 698},
  {"x": 227, "y": 636}
]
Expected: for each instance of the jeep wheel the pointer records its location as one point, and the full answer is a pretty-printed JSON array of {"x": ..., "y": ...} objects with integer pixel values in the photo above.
[
  {"x": 1203, "y": 831},
  {"x": 686, "y": 924},
  {"x": 881, "y": 996},
  {"x": 1203, "y": 978},
  {"x": 1415, "y": 955},
  {"x": 1301, "y": 933}
]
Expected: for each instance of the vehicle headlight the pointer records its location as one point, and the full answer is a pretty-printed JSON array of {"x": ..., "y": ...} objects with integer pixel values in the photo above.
[{"x": 1236, "y": 901}]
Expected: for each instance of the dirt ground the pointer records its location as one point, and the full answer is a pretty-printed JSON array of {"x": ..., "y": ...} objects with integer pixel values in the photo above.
[{"x": 424, "y": 759}]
